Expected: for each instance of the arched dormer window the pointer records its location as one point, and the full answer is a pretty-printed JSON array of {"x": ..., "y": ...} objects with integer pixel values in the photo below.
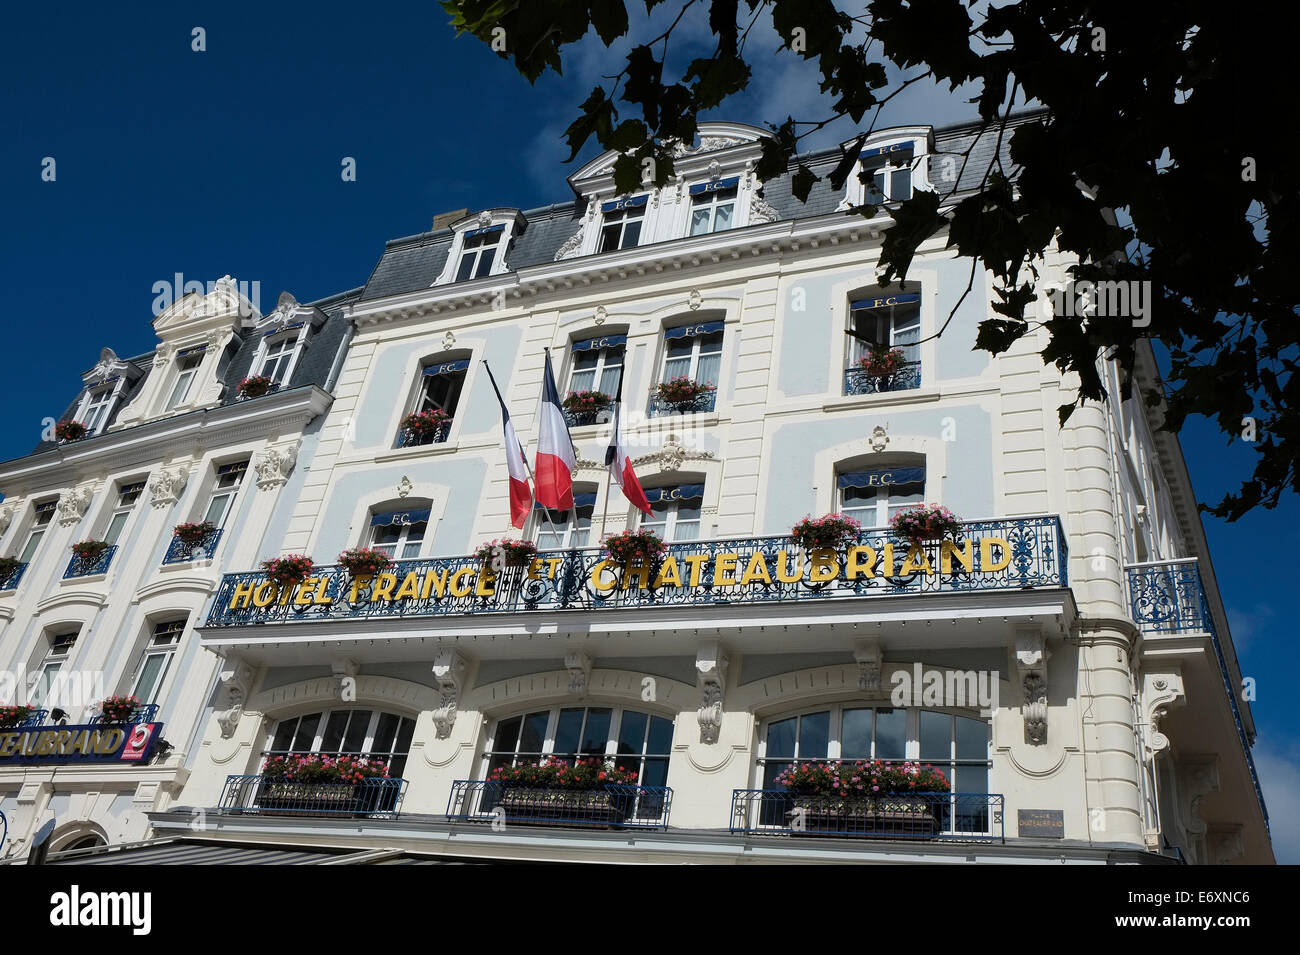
[
  {"x": 891, "y": 166},
  {"x": 284, "y": 335},
  {"x": 480, "y": 244},
  {"x": 105, "y": 384}
]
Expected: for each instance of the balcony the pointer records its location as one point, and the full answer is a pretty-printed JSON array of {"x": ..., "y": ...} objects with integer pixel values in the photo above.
[
  {"x": 1012, "y": 554},
  {"x": 609, "y": 807},
  {"x": 858, "y": 382},
  {"x": 376, "y": 798},
  {"x": 145, "y": 713},
  {"x": 179, "y": 551},
  {"x": 580, "y": 419},
  {"x": 86, "y": 567},
  {"x": 12, "y": 576},
  {"x": 656, "y": 407},
  {"x": 411, "y": 439},
  {"x": 952, "y": 816}
]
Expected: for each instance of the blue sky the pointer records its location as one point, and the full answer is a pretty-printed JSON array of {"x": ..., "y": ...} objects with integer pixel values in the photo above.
[{"x": 228, "y": 162}]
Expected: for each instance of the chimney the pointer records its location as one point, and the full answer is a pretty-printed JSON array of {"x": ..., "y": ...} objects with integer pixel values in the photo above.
[{"x": 443, "y": 219}]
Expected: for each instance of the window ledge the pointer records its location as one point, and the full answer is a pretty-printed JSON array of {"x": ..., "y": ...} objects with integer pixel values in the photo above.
[
  {"x": 883, "y": 399},
  {"x": 416, "y": 451},
  {"x": 86, "y": 579},
  {"x": 695, "y": 418}
]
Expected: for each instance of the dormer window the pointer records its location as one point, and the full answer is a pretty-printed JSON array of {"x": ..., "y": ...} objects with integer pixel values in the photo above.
[
  {"x": 187, "y": 366},
  {"x": 622, "y": 223},
  {"x": 888, "y": 174},
  {"x": 278, "y": 359},
  {"x": 713, "y": 206},
  {"x": 479, "y": 252},
  {"x": 97, "y": 408}
]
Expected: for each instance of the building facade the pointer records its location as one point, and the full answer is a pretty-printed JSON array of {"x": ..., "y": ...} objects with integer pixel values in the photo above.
[
  {"x": 170, "y": 437},
  {"x": 1060, "y": 655}
]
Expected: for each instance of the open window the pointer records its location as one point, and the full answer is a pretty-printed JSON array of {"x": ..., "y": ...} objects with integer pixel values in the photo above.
[
  {"x": 436, "y": 402},
  {"x": 597, "y": 367},
  {"x": 884, "y": 344}
]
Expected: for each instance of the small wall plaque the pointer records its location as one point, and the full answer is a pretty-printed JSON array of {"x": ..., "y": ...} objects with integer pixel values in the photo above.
[{"x": 1042, "y": 823}]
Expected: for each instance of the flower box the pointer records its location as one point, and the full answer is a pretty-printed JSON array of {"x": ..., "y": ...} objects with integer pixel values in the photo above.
[
  {"x": 11, "y": 716},
  {"x": 89, "y": 550},
  {"x": 309, "y": 799},
  {"x": 193, "y": 532},
  {"x": 118, "y": 709},
  {"x": 363, "y": 561},
  {"x": 425, "y": 424},
  {"x": 255, "y": 386},
  {"x": 830, "y": 532},
  {"x": 891, "y": 816},
  {"x": 882, "y": 362},
  {"x": 533, "y": 806},
  {"x": 288, "y": 570},
  {"x": 634, "y": 548},
  {"x": 510, "y": 553},
  {"x": 682, "y": 392},
  {"x": 8, "y": 565},
  {"x": 70, "y": 430},
  {"x": 925, "y": 522},
  {"x": 586, "y": 404}
]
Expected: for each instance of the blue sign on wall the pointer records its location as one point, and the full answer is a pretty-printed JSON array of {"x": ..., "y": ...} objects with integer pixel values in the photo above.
[{"x": 82, "y": 743}]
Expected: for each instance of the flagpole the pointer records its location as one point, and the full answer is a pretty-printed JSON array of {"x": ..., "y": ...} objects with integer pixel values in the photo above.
[
  {"x": 528, "y": 467},
  {"x": 573, "y": 529}
]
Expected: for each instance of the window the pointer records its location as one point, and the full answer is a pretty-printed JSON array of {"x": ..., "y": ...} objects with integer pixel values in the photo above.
[
  {"x": 621, "y": 228},
  {"x": 556, "y": 530},
  {"x": 888, "y": 174},
  {"x": 157, "y": 659},
  {"x": 96, "y": 413},
  {"x": 61, "y": 645},
  {"x": 874, "y": 497},
  {"x": 220, "y": 504},
  {"x": 478, "y": 252},
  {"x": 187, "y": 366},
  {"x": 713, "y": 206},
  {"x": 277, "y": 361},
  {"x": 694, "y": 352},
  {"x": 640, "y": 742},
  {"x": 442, "y": 386},
  {"x": 351, "y": 732},
  {"x": 598, "y": 364},
  {"x": 399, "y": 534},
  {"x": 41, "y": 523},
  {"x": 887, "y": 321},
  {"x": 676, "y": 512},
  {"x": 127, "y": 495}
]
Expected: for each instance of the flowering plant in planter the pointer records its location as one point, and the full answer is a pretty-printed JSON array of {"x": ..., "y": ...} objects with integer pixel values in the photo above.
[
  {"x": 682, "y": 390},
  {"x": 15, "y": 715},
  {"x": 558, "y": 774},
  {"x": 925, "y": 522},
  {"x": 634, "y": 546},
  {"x": 254, "y": 386},
  {"x": 825, "y": 533},
  {"x": 289, "y": 569},
  {"x": 119, "y": 709},
  {"x": 862, "y": 779},
  {"x": 515, "y": 553},
  {"x": 364, "y": 561},
  {"x": 425, "y": 423},
  {"x": 192, "y": 532},
  {"x": 89, "y": 550},
  {"x": 8, "y": 565},
  {"x": 586, "y": 402},
  {"x": 882, "y": 361},
  {"x": 70, "y": 430},
  {"x": 324, "y": 768}
]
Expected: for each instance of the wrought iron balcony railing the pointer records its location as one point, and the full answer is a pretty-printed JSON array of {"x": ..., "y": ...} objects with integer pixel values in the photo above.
[
  {"x": 578, "y": 419},
  {"x": 954, "y": 816},
  {"x": 274, "y": 387},
  {"x": 86, "y": 566},
  {"x": 612, "y": 807},
  {"x": 411, "y": 439},
  {"x": 179, "y": 551},
  {"x": 10, "y": 578},
  {"x": 1012, "y": 554},
  {"x": 36, "y": 718},
  {"x": 374, "y": 798},
  {"x": 145, "y": 713},
  {"x": 1169, "y": 597},
  {"x": 857, "y": 381},
  {"x": 657, "y": 407}
]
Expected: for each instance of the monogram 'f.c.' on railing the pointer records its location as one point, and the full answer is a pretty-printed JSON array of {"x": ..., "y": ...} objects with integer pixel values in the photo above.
[
  {"x": 10, "y": 577},
  {"x": 1169, "y": 597},
  {"x": 954, "y": 816},
  {"x": 374, "y": 798},
  {"x": 615, "y": 807},
  {"x": 1011, "y": 554},
  {"x": 87, "y": 566},
  {"x": 858, "y": 381},
  {"x": 179, "y": 551}
]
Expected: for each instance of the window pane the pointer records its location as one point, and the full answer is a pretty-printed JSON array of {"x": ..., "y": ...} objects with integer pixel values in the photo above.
[
  {"x": 723, "y": 218},
  {"x": 332, "y": 738},
  {"x": 700, "y": 221},
  {"x": 149, "y": 673},
  {"x": 780, "y": 739},
  {"x": 970, "y": 779},
  {"x": 855, "y": 737},
  {"x": 385, "y": 733},
  {"x": 596, "y": 734},
  {"x": 609, "y": 236},
  {"x": 30, "y": 548},
  {"x": 115, "y": 526},
  {"x": 305, "y": 739},
  {"x": 534, "y": 732},
  {"x": 507, "y": 734},
  {"x": 972, "y": 738},
  {"x": 709, "y": 369},
  {"x": 217, "y": 509},
  {"x": 466, "y": 267},
  {"x": 814, "y": 735},
  {"x": 284, "y": 735},
  {"x": 631, "y": 732},
  {"x": 582, "y": 379},
  {"x": 891, "y": 734},
  {"x": 936, "y": 736},
  {"x": 660, "y": 740},
  {"x": 568, "y": 731},
  {"x": 358, "y": 726},
  {"x": 656, "y": 773},
  {"x": 631, "y": 234},
  {"x": 901, "y": 186}
]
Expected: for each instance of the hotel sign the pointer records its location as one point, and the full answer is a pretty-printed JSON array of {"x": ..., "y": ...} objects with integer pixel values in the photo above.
[{"x": 82, "y": 743}]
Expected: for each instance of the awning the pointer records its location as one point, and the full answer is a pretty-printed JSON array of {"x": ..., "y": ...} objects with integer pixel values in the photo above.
[
  {"x": 680, "y": 492},
  {"x": 882, "y": 477},
  {"x": 719, "y": 186},
  {"x": 400, "y": 517},
  {"x": 195, "y": 852},
  {"x": 694, "y": 331}
]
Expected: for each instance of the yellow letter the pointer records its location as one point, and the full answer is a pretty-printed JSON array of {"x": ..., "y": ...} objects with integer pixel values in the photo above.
[
  {"x": 910, "y": 566},
  {"x": 697, "y": 562},
  {"x": 243, "y": 593},
  {"x": 665, "y": 577},
  {"x": 457, "y": 588},
  {"x": 410, "y": 587},
  {"x": 383, "y": 587},
  {"x": 642, "y": 574},
  {"x": 263, "y": 594},
  {"x": 889, "y": 560},
  {"x": 966, "y": 558},
  {"x": 987, "y": 563},
  {"x": 824, "y": 566},
  {"x": 322, "y": 592},
  {"x": 435, "y": 582},
  {"x": 782, "y": 568},
  {"x": 724, "y": 570},
  {"x": 487, "y": 583},
  {"x": 597, "y": 580},
  {"x": 853, "y": 569},
  {"x": 756, "y": 569},
  {"x": 305, "y": 590}
]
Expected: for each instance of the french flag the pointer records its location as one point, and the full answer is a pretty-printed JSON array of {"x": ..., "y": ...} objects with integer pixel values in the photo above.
[
  {"x": 556, "y": 461},
  {"x": 619, "y": 461},
  {"x": 521, "y": 496}
]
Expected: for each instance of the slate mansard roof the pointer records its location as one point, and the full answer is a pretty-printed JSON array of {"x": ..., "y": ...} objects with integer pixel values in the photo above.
[{"x": 414, "y": 262}]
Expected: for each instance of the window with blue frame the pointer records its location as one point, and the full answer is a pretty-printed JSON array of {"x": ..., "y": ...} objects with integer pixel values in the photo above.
[
  {"x": 713, "y": 206},
  {"x": 621, "y": 221},
  {"x": 478, "y": 252}
]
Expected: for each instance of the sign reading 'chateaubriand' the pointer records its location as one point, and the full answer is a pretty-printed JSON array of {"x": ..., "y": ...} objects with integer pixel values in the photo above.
[
  {"x": 91, "y": 742},
  {"x": 681, "y": 570}
]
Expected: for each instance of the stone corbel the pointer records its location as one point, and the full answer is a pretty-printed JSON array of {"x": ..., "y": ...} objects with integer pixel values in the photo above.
[
  {"x": 1225, "y": 844},
  {"x": 7, "y": 512},
  {"x": 869, "y": 658},
  {"x": 1197, "y": 777},
  {"x": 345, "y": 669},
  {"x": 236, "y": 684},
  {"x": 711, "y": 668},
  {"x": 166, "y": 486},
  {"x": 1162, "y": 690},
  {"x": 72, "y": 506},
  {"x": 1031, "y": 664},
  {"x": 578, "y": 664},
  {"x": 449, "y": 668},
  {"x": 274, "y": 464},
  {"x": 570, "y": 246}
]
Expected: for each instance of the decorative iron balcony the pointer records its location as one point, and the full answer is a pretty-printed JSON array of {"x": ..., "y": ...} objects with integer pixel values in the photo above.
[
  {"x": 79, "y": 567},
  {"x": 952, "y": 816},
  {"x": 1169, "y": 597},
  {"x": 1012, "y": 554},
  {"x": 179, "y": 551},
  {"x": 656, "y": 407},
  {"x": 275, "y": 386},
  {"x": 858, "y": 382},
  {"x": 374, "y": 798},
  {"x": 583, "y": 418},
  {"x": 609, "y": 807},
  {"x": 9, "y": 579},
  {"x": 36, "y": 718},
  {"x": 145, "y": 713},
  {"x": 410, "y": 439}
]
